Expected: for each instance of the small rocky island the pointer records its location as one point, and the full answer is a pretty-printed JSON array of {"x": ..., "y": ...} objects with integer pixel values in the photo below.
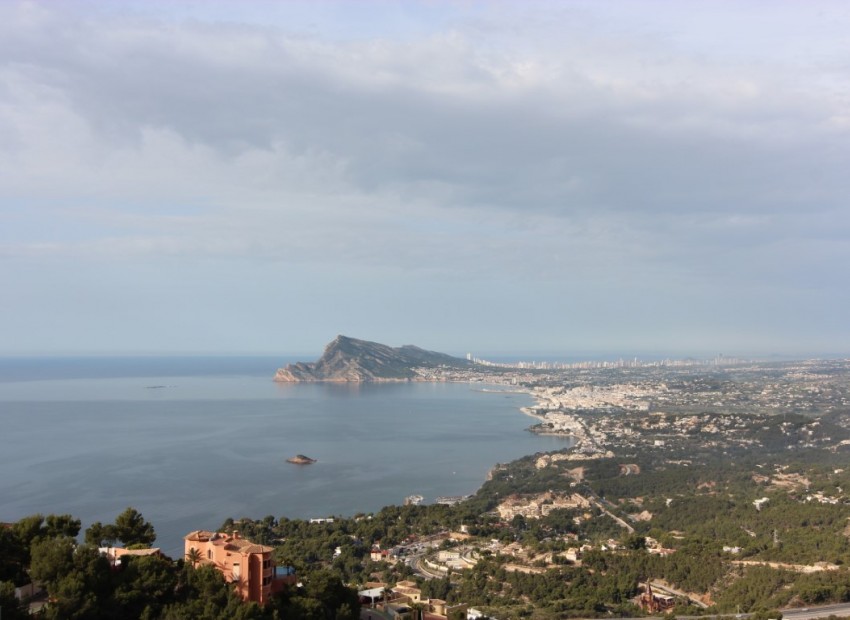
[
  {"x": 350, "y": 360},
  {"x": 300, "y": 459}
]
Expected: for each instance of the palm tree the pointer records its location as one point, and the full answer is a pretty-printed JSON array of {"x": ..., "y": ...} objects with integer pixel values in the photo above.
[{"x": 193, "y": 556}]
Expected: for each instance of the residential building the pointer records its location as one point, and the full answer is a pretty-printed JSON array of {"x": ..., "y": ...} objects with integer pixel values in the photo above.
[
  {"x": 409, "y": 590},
  {"x": 114, "y": 554},
  {"x": 247, "y": 565}
]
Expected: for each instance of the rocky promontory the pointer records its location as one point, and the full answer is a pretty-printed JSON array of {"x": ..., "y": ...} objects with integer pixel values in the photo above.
[{"x": 350, "y": 360}]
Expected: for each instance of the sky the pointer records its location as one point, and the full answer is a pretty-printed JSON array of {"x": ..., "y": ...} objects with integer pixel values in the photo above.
[{"x": 564, "y": 178}]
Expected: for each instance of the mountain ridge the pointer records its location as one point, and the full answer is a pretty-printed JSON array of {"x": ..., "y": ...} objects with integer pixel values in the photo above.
[{"x": 349, "y": 360}]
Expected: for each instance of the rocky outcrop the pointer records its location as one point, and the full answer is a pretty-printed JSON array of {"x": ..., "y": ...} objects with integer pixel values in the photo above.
[
  {"x": 351, "y": 360},
  {"x": 300, "y": 459}
]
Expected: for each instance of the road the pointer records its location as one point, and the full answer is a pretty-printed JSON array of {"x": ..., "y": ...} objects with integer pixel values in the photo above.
[
  {"x": 416, "y": 564},
  {"x": 805, "y": 613},
  {"x": 616, "y": 519},
  {"x": 808, "y": 613},
  {"x": 597, "y": 501}
]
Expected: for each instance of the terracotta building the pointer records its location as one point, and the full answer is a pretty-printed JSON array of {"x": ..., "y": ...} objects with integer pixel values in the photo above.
[{"x": 249, "y": 566}]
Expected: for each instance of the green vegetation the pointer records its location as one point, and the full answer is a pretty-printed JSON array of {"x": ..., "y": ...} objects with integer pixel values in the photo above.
[
  {"x": 129, "y": 528},
  {"x": 81, "y": 584},
  {"x": 702, "y": 511}
]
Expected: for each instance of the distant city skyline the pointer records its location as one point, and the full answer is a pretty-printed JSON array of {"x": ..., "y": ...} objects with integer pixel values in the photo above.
[{"x": 552, "y": 178}]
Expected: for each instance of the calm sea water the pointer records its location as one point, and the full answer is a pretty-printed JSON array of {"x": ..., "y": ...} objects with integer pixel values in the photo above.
[{"x": 192, "y": 441}]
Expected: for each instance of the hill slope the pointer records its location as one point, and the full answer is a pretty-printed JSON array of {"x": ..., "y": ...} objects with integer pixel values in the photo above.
[{"x": 350, "y": 360}]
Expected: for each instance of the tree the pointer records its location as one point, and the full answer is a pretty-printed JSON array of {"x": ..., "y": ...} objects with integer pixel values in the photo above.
[
  {"x": 334, "y": 595},
  {"x": 77, "y": 578},
  {"x": 437, "y": 588},
  {"x": 13, "y": 557},
  {"x": 29, "y": 528},
  {"x": 195, "y": 591},
  {"x": 52, "y": 558},
  {"x": 145, "y": 586},
  {"x": 418, "y": 610},
  {"x": 61, "y": 525},
  {"x": 11, "y": 606},
  {"x": 635, "y": 542},
  {"x": 193, "y": 557},
  {"x": 132, "y": 529},
  {"x": 72, "y": 599},
  {"x": 100, "y": 535}
]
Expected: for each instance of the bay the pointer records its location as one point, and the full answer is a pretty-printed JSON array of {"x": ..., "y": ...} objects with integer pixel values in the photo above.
[{"x": 90, "y": 437}]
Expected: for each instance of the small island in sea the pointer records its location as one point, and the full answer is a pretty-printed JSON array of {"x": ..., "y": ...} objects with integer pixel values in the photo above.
[
  {"x": 348, "y": 360},
  {"x": 300, "y": 459}
]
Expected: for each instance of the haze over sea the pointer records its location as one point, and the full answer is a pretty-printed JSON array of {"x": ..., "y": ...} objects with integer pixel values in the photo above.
[{"x": 190, "y": 441}]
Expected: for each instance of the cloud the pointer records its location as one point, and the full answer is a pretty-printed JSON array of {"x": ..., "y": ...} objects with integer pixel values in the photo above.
[{"x": 563, "y": 150}]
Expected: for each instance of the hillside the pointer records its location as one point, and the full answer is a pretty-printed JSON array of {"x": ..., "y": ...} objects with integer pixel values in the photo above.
[{"x": 350, "y": 360}]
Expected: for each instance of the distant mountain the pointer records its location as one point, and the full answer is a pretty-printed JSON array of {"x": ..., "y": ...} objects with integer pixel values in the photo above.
[{"x": 351, "y": 360}]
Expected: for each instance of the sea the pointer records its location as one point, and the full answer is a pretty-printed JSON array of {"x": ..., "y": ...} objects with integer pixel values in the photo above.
[{"x": 191, "y": 441}]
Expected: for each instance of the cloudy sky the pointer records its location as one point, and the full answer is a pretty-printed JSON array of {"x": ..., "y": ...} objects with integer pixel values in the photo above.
[{"x": 557, "y": 177}]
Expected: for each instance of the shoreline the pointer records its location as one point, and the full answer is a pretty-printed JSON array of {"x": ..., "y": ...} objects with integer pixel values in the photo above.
[
  {"x": 203, "y": 403},
  {"x": 527, "y": 410},
  {"x": 172, "y": 525}
]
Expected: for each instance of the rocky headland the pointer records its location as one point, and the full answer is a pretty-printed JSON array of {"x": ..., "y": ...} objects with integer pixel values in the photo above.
[{"x": 348, "y": 360}]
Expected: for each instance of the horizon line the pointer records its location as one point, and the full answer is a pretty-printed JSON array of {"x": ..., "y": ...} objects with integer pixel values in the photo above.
[{"x": 517, "y": 355}]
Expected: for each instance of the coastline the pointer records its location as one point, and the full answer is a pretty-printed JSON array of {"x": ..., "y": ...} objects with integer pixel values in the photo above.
[
  {"x": 375, "y": 380},
  {"x": 529, "y": 410},
  {"x": 254, "y": 424}
]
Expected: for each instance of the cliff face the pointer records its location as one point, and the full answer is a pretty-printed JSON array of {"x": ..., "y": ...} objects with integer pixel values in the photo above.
[{"x": 351, "y": 360}]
